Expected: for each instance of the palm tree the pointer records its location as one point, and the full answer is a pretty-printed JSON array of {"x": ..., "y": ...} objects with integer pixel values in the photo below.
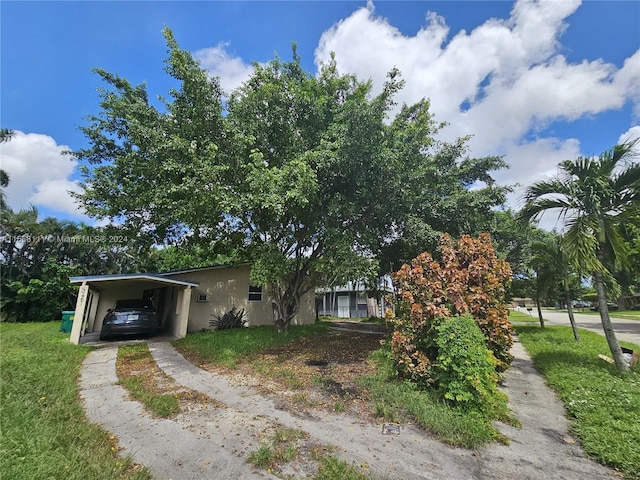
[
  {"x": 594, "y": 197},
  {"x": 553, "y": 267}
]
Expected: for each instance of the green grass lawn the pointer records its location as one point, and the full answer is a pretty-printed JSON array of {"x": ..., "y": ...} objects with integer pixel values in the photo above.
[
  {"x": 520, "y": 316},
  {"x": 228, "y": 347},
  {"x": 604, "y": 406},
  {"x": 44, "y": 434}
]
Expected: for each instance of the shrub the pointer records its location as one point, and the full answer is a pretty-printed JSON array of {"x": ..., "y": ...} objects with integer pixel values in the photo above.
[
  {"x": 469, "y": 278},
  {"x": 231, "y": 319},
  {"x": 465, "y": 368}
]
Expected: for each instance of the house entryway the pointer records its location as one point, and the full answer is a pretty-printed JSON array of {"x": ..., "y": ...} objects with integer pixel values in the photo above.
[{"x": 343, "y": 306}]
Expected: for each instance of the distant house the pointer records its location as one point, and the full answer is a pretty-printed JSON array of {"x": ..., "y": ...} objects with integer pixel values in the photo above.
[
  {"x": 353, "y": 300},
  {"x": 186, "y": 300},
  {"x": 629, "y": 301},
  {"x": 523, "y": 302}
]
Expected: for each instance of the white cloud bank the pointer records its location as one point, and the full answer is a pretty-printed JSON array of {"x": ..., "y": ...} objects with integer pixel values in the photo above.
[
  {"x": 503, "y": 82},
  {"x": 39, "y": 174}
]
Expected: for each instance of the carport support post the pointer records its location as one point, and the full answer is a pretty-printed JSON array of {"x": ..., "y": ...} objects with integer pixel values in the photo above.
[
  {"x": 183, "y": 318},
  {"x": 80, "y": 313}
]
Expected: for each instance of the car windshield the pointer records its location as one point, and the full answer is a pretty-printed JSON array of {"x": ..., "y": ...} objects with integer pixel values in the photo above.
[{"x": 133, "y": 303}]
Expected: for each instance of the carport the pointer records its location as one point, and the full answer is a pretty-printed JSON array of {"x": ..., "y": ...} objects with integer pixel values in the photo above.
[{"x": 171, "y": 297}]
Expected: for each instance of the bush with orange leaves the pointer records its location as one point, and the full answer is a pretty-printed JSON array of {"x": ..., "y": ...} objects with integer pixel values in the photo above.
[{"x": 468, "y": 278}]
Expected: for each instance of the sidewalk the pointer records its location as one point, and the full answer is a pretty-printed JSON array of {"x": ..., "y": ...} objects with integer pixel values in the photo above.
[{"x": 215, "y": 443}]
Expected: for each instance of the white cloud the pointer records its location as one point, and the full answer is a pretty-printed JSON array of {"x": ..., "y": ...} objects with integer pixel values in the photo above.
[
  {"x": 39, "y": 173},
  {"x": 49, "y": 193},
  {"x": 502, "y": 82},
  {"x": 628, "y": 78},
  {"x": 630, "y": 135},
  {"x": 217, "y": 61}
]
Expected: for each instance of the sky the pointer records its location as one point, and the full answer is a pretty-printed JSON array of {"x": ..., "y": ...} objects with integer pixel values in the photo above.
[{"x": 537, "y": 82}]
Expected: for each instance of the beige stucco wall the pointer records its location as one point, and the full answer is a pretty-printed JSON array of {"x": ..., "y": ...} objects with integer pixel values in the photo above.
[{"x": 226, "y": 287}]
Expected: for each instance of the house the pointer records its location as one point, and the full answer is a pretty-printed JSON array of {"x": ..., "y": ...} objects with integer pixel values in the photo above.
[
  {"x": 523, "y": 302},
  {"x": 186, "y": 300},
  {"x": 353, "y": 300}
]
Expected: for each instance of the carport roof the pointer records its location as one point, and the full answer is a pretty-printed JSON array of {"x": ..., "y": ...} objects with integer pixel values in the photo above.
[{"x": 132, "y": 277}]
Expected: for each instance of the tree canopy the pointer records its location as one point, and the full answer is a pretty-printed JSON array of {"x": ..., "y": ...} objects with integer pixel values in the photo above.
[{"x": 305, "y": 176}]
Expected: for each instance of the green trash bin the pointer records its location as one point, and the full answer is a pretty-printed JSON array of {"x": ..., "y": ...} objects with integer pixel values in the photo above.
[{"x": 67, "y": 321}]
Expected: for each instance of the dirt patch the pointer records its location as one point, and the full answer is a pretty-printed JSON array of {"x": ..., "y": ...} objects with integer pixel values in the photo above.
[{"x": 318, "y": 372}]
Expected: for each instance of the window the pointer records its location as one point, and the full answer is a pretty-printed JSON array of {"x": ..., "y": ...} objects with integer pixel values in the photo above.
[
  {"x": 255, "y": 293},
  {"x": 362, "y": 298}
]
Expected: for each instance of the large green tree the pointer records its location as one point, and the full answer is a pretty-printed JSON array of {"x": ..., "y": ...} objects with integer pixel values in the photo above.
[
  {"x": 628, "y": 275},
  {"x": 595, "y": 197},
  {"x": 306, "y": 176},
  {"x": 37, "y": 257}
]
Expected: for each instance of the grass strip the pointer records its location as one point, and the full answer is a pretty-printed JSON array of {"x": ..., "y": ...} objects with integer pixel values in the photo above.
[
  {"x": 44, "y": 431},
  {"x": 518, "y": 316},
  {"x": 138, "y": 372},
  {"x": 604, "y": 405}
]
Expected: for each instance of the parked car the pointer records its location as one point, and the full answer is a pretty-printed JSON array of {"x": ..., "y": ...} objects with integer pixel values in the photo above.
[
  {"x": 636, "y": 307},
  {"x": 581, "y": 304},
  {"x": 610, "y": 306},
  {"x": 130, "y": 317}
]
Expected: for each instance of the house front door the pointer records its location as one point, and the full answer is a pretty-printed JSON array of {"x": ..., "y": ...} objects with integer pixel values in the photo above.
[{"x": 343, "y": 306}]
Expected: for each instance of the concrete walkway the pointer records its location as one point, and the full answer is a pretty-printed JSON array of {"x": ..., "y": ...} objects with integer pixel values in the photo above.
[{"x": 215, "y": 443}]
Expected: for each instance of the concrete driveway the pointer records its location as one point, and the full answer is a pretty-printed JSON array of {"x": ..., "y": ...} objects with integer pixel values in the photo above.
[
  {"x": 627, "y": 330},
  {"x": 215, "y": 443}
]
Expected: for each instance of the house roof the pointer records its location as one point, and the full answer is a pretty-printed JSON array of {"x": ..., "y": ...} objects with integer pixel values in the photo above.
[
  {"x": 151, "y": 277},
  {"x": 197, "y": 269},
  {"x": 382, "y": 283}
]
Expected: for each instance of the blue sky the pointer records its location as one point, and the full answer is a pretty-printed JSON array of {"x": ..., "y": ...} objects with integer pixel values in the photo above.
[{"x": 537, "y": 82}]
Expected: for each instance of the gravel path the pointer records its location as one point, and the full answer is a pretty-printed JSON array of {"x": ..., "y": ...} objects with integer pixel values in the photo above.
[{"x": 214, "y": 443}]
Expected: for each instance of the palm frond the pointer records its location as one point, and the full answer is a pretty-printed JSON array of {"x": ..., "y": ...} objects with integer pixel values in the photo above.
[{"x": 581, "y": 245}]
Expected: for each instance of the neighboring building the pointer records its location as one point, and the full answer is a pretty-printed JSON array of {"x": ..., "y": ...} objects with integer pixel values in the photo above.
[
  {"x": 523, "y": 302},
  {"x": 353, "y": 300},
  {"x": 186, "y": 300},
  {"x": 629, "y": 301}
]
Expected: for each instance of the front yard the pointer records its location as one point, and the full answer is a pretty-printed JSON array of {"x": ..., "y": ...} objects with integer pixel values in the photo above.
[{"x": 44, "y": 434}]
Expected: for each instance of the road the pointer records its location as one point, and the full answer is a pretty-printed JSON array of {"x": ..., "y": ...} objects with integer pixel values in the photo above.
[{"x": 627, "y": 330}]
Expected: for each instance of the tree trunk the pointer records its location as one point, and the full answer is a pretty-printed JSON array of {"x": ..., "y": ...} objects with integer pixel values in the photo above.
[
  {"x": 610, "y": 335},
  {"x": 539, "y": 313},
  {"x": 286, "y": 303},
  {"x": 567, "y": 298}
]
